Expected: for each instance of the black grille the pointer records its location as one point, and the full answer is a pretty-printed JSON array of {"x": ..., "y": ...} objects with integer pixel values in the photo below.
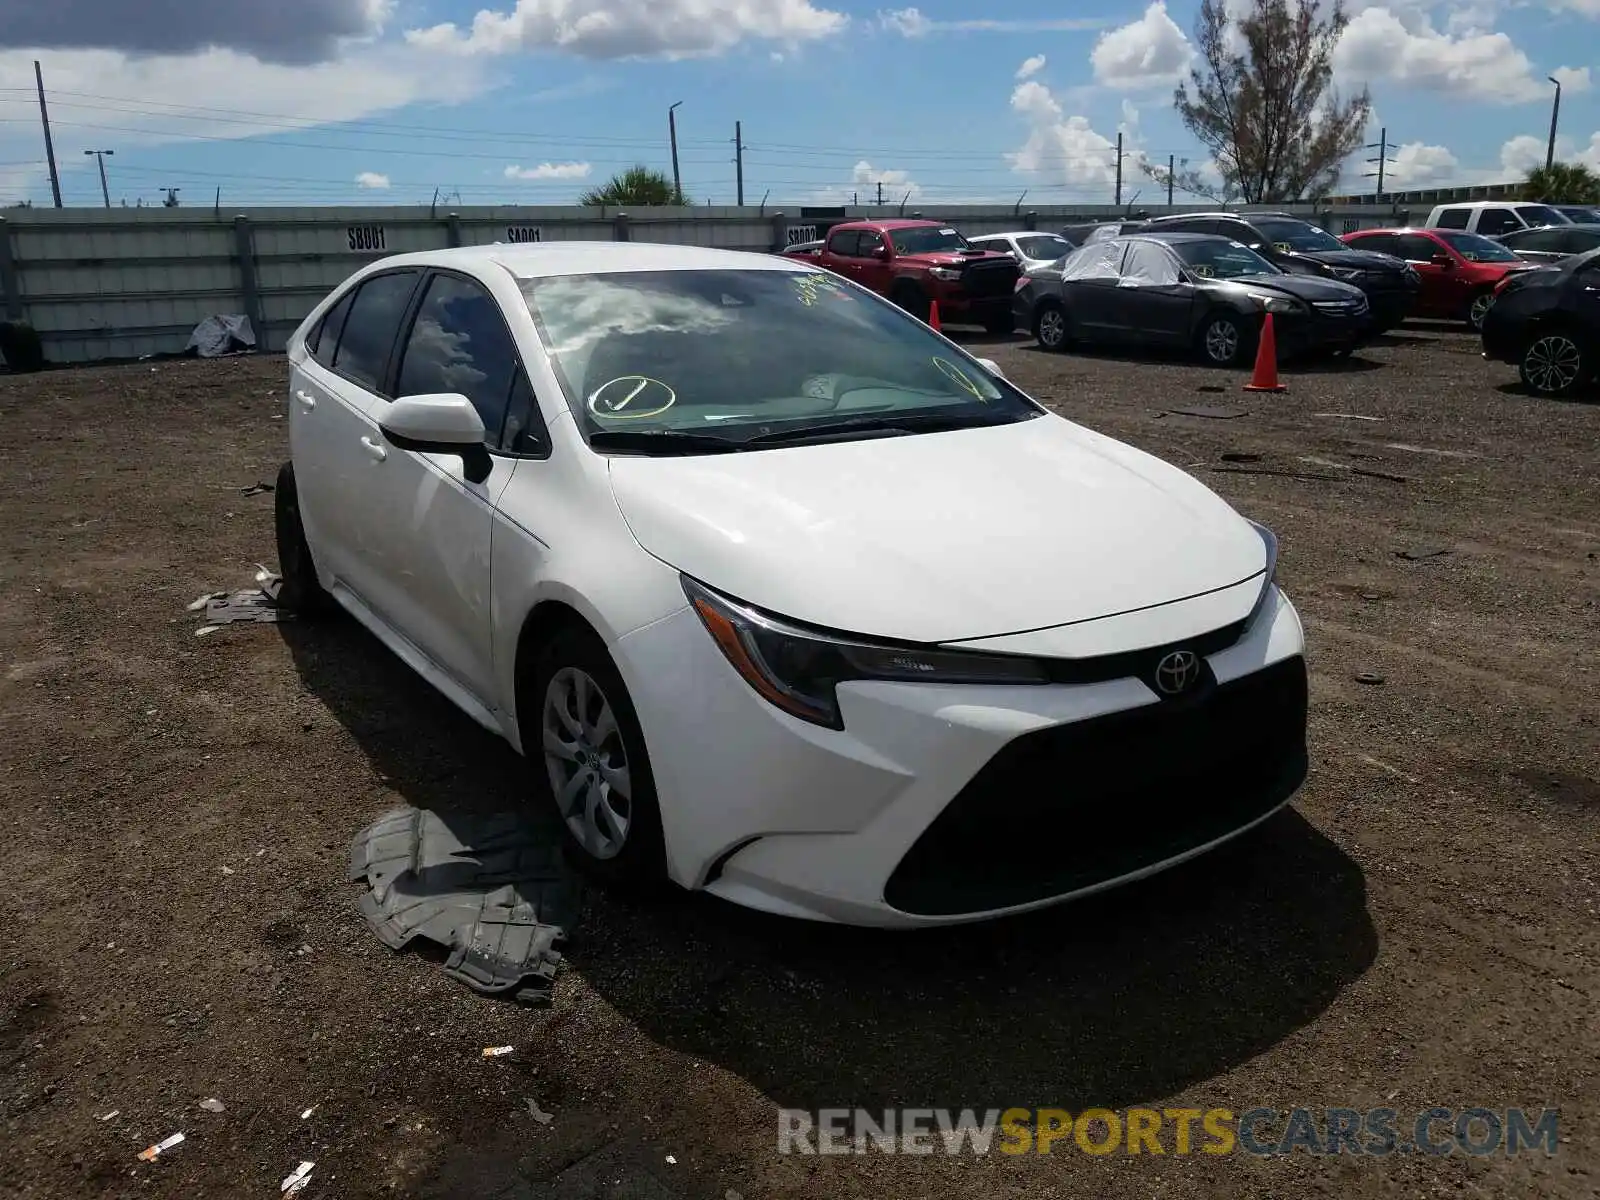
[
  {"x": 1075, "y": 805},
  {"x": 981, "y": 280}
]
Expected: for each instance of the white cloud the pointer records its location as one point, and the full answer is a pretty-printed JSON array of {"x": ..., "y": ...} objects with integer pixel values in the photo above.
[
  {"x": 1416, "y": 164},
  {"x": 627, "y": 29},
  {"x": 911, "y": 23},
  {"x": 1572, "y": 79},
  {"x": 1381, "y": 46},
  {"x": 1525, "y": 152},
  {"x": 864, "y": 178},
  {"x": 373, "y": 180},
  {"x": 1064, "y": 150},
  {"x": 1151, "y": 52},
  {"x": 1030, "y": 66},
  {"x": 1590, "y": 156},
  {"x": 566, "y": 170}
]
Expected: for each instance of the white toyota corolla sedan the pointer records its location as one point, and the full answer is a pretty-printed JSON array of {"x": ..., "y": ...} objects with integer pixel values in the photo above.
[{"x": 785, "y": 595}]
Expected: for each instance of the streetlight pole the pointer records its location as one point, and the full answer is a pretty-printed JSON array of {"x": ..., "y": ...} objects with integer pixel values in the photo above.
[
  {"x": 1555, "y": 111},
  {"x": 672, "y": 132},
  {"x": 105, "y": 192}
]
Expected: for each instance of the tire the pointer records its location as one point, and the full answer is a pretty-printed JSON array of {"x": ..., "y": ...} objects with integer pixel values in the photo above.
[
  {"x": 301, "y": 592},
  {"x": 1050, "y": 327},
  {"x": 1224, "y": 340},
  {"x": 612, "y": 829},
  {"x": 1553, "y": 363},
  {"x": 1478, "y": 308},
  {"x": 913, "y": 299}
]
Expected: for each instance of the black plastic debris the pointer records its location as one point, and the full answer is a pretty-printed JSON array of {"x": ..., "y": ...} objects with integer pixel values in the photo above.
[
  {"x": 492, "y": 890},
  {"x": 255, "y": 489},
  {"x": 1214, "y": 411},
  {"x": 1422, "y": 553},
  {"x": 1370, "y": 678}
]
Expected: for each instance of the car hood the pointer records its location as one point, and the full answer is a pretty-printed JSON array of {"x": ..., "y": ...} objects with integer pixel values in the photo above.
[
  {"x": 945, "y": 258},
  {"x": 940, "y": 537},
  {"x": 1310, "y": 288},
  {"x": 1363, "y": 260}
]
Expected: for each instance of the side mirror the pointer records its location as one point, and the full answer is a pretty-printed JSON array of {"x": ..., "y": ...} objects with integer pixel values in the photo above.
[
  {"x": 445, "y": 420},
  {"x": 989, "y": 365},
  {"x": 884, "y": 253},
  {"x": 1442, "y": 260}
]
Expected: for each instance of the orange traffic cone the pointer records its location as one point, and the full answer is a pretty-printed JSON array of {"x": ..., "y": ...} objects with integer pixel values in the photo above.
[
  {"x": 1265, "y": 376},
  {"x": 933, "y": 316}
]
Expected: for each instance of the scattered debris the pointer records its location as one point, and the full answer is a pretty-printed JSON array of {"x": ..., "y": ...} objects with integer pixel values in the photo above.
[
  {"x": 1428, "y": 450},
  {"x": 1422, "y": 553},
  {"x": 1239, "y": 456},
  {"x": 296, "y": 1179},
  {"x": 114, "y": 1112},
  {"x": 221, "y": 334},
  {"x": 672, "y": 1160},
  {"x": 1371, "y": 678},
  {"x": 1324, "y": 462},
  {"x": 1371, "y": 474},
  {"x": 496, "y": 1051},
  {"x": 307, "y": 1114},
  {"x": 1348, "y": 416},
  {"x": 255, "y": 489},
  {"x": 213, "y": 1105},
  {"x": 1280, "y": 471},
  {"x": 1215, "y": 388},
  {"x": 205, "y": 629},
  {"x": 152, "y": 1153},
  {"x": 730, "y": 1194},
  {"x": 197, "y": 604},
  {"x": 1373, "y": 596},
  {"x": 537, "y": 1113},
  {"x": 227, "y": 870},
  {"x": 247, "y": 605},
  {"x": 493, "y": 890},
  {"x": 1213, "y": 411}
]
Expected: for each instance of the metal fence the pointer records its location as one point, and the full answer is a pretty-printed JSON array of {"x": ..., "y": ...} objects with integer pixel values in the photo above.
[{"x": 122, "y": 283}]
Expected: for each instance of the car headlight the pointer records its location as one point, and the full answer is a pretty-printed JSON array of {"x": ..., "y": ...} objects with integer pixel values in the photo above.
[
  {"x": 1270, "y": 541},
  {"x": 947, "y": 274},
  {"x": 1280, "y": 304},
  {"x": 797, "y": 669}
]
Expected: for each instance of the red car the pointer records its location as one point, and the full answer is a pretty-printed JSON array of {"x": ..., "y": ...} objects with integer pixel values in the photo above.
[
  {"x": 1459, "y": 270},
  {"x": 917, "y": 263}
]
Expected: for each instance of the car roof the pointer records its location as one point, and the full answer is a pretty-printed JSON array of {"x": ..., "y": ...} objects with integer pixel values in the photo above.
[
  {"x": 1175, "y": 238},
  {"x": 1410, "y": 229},
  {"x": 1016, "y": 233},
  {"x": 1208, "y": 216},
  {"x": 536, "y": 260},
  {"x": 896, "y": 223}
]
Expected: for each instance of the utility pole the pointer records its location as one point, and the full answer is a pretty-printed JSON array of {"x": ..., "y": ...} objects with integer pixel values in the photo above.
[
  {"x": 880, "y": 193},
  {"x": 672, "y": 132},
  {"x": 105, "y": 192},
  {"x": 1119, "y": 170},
  {"x": 1555, "y": 111},
  {"x": 1383, "y": 159},
  {"x": 1172, "y": 168},
  {"x": 738, "y": 161},
  {"x": 49, "y": 146}
]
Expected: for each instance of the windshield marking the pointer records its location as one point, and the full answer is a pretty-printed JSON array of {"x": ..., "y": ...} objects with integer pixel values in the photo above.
[
  {"x": 613, "y": 411},
  {"x": 959, "y": 377},
  {"x": 812, "y": 288}
]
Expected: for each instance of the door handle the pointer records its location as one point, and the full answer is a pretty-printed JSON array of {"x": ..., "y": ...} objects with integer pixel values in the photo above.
[
  {"x": 307, "y": 400},
  {"x": 374, "y": 449}
]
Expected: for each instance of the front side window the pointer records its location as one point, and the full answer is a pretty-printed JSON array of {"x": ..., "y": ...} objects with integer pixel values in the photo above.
[
  {"x": 737, "y": 354},
  {"x": 844, "y": 242},
  {"x": 1098, "y": 260},
  {"x": 1378, "y": 243},
  {"x": 1217, "y": 259},
  {"x": 1577, "y": 241},
  {"x": 871, "y": 243},
  {"x": 1474, "y": 248},
  {"x": 370, "y": 329},
  {"x": 1300, "y": 236},
  {"x": 459, "y": 343},
  {"x": 926, "y": 239},
  {"x": 1413, "y": 247}
]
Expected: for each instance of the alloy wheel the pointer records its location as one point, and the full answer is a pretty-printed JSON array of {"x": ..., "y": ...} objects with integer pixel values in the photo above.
[
  {"x": 1479, "y": 309},
  {"x": 1222, "y": 341},
  {"x": 587, "y": 763},
  {"x": 1552, "y": 363},
  {"x": 1052, "y": 328}
]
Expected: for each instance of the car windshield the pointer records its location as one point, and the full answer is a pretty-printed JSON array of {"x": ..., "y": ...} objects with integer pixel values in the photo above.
[
  {"x": 1298, "y": 235},
  {"x": 1046, "y": 245},
  {"x": 1474, "y": 248},
  {"x": 926, "y": 239},
  {"x": 737, "y": 354},
  {"x": 1217, "y": 259}
]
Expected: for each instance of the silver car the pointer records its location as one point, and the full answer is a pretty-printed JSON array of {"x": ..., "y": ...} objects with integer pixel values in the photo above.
[{"x": 1029, "y": 247}]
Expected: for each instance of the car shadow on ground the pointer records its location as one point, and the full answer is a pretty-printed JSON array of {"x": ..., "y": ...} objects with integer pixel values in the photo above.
[
  {"x": 1588, "y": 393},
  {"x": 1297, "y": 365},
  {"x": 1126, "y": 997}
]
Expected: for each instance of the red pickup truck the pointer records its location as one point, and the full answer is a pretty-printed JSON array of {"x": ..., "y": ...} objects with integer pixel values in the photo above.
[{"x": 915, "y": 263}]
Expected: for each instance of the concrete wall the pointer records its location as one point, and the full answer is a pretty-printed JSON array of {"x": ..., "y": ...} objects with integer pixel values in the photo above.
[{"x": 121, "y": 283}]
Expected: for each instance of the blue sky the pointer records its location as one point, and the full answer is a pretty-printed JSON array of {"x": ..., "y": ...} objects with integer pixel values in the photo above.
[{"x": 360, "y": 101}]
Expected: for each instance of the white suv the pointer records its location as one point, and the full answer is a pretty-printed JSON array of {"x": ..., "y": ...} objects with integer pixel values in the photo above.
[{"x": 1492, "y": 218}]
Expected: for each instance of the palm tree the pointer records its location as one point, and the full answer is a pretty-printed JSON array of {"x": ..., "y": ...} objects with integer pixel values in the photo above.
[
  {"x": 638, "y": 187},
  {"x": 1563, "y": 183}
]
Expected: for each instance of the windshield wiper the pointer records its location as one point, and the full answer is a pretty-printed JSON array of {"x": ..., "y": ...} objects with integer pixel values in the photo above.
[
  {"x": 663, "y": 441},
  {"x": 889, "y": 423}
]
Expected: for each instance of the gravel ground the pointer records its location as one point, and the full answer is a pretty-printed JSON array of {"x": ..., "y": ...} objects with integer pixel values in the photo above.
[{"x": 1420, "y": 929}]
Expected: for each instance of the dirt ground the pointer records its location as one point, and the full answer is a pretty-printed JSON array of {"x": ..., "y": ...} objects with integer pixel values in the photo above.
[{"x": 1419, "y": 929}]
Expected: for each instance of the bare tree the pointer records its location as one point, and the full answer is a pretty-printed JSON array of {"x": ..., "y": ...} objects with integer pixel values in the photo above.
[
  {"x": 1263, "y": 101},
  {"x": 1189, "y": 181}
]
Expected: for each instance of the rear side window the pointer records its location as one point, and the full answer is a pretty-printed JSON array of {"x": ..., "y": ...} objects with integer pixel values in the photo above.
[
  {"x": 1454, "y": 218},
  {"x": 324, "y": 338},
  {"x": 370, "y": 330},
  {"x": 459, "y": 343}
]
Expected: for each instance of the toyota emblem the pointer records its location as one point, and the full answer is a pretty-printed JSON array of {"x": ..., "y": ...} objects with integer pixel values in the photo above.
[{"x": 1177, "y": 672}]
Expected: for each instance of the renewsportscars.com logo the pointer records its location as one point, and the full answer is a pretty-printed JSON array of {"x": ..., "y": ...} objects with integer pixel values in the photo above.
[{"x": 1264, "y": 1132}]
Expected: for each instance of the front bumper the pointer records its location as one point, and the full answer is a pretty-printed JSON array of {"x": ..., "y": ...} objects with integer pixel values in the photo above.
[
  {"x": 939, "y": 804},
  {"x": 1305, "y": 333}
]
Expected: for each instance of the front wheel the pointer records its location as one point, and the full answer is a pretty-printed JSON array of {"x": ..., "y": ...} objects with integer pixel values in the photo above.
[
  {"x": 1478, "y": 308},
  {"x": 595, "y": 771},
  {"x": 1224, "y": 340},
  {"x": 1552, "y": 364},
  {"x": 1050, "y": 327}
]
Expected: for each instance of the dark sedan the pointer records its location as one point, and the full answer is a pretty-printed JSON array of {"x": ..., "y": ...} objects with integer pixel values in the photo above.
[
  {"x": 1551, "y": 243},
  {"x": 1548, "y": 324},
  {"x": 1186, "y": 290}
]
